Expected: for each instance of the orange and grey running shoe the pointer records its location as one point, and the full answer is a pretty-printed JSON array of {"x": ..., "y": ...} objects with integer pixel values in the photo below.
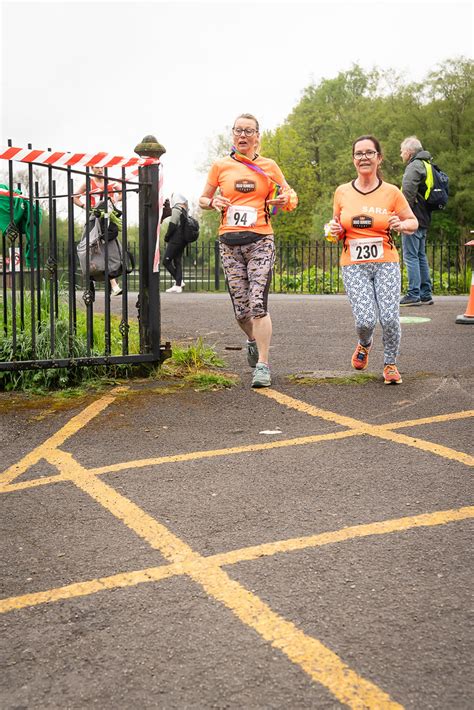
[
  {"x": 391, "y": 376},
  {"x": 360, "y": 357}
]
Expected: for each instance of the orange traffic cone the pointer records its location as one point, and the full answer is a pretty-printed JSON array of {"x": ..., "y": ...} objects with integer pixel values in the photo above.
[{"x": 468, "y": 316}]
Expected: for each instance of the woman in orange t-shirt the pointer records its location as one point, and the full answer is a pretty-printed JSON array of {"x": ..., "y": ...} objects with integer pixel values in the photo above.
[
  {"x": 246, "y": 182},
  {"x": 365, "y": 212}
]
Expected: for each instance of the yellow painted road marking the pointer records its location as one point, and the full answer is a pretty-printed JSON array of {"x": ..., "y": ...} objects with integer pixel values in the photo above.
[
  {"x": 384, "y": 527},
  {"x": 381, "y": 431},
  {"x": 377, "y": 430},
  {"x": 82, "y": 589},
  {"x": 246, "y": 554},
  {"x": 146, "y": 527},
  {"x": 178, "y": 458},
  {"x": 32, "y": 483},
  {"x": 322, "y": 664},
  {"x": 71, "y": 427},
  {"x": 357, "y": 429},
  {"x": 300, "y": 406},
  {"x": 437, "y": 418},
  {"x": 194, "y": 455}
]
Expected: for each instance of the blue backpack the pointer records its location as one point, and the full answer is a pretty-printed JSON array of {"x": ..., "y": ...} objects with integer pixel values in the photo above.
[{"x": 437, "y": 187}]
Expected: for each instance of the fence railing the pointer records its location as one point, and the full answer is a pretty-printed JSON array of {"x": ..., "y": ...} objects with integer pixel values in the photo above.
[
  {"x": 303, "y": 267},
  {"x": 43, "y": 324}
]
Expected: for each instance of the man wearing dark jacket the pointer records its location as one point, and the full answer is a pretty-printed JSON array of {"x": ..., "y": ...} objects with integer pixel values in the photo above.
[{"x": 414, "y": 245}]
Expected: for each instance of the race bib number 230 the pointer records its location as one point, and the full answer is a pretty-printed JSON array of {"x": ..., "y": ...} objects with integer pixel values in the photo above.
[
  {"x": 366, "y": 249},
  {"x": 241, "y": 216}
]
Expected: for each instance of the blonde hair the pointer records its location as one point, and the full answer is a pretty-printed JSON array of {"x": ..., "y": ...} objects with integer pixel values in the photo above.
[{"x": 250, "y": 117}]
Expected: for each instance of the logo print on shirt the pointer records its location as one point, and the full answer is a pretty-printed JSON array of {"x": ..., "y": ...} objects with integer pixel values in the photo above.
[
  {"x": 245, "y": 185},
  {"x": 361, "y": 221}
]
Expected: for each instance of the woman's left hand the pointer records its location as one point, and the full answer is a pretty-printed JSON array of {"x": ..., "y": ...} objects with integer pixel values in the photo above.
[
  {"x": 394, "y": 222},
  {"x": 280, "y": 200}
]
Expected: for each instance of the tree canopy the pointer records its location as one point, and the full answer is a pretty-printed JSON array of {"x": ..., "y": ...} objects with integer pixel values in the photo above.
[{"x": 313, "y": 146}]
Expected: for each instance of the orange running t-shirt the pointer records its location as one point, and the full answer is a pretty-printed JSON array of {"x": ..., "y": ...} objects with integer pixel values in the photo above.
[
  {"x": 97, "y": 191},
  {"x": 365, "y": 220},
  {"x": 245, "y": 188}
]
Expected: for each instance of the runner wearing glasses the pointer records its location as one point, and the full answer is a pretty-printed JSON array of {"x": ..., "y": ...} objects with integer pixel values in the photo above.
[
  {"x": 246, "y": 189},
  {"x": 366, "y": 210}
]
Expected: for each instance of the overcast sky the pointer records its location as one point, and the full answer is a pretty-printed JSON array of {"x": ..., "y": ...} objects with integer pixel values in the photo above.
[{"x": 91, "y": 76}]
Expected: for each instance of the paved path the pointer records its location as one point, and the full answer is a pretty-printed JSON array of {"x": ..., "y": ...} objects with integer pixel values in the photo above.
[{"x": 161, "y": 551}]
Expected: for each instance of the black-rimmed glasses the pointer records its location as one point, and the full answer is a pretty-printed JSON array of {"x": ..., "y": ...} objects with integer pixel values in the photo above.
[
  {"x": 358, "y": 155},
  {"x": 248, "y": 131}
]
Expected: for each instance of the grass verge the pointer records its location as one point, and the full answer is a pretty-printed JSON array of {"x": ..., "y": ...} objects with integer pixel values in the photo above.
[
  {"x": 196, "y": 364},
  {"x": 360, "y": 378}
]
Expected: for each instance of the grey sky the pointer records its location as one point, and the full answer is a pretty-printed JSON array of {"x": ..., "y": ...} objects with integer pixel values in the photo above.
[{"x": 95, "y": 76}]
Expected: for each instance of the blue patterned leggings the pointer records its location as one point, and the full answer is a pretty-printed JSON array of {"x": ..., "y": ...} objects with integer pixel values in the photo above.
[{"x": 374, "y": 289}]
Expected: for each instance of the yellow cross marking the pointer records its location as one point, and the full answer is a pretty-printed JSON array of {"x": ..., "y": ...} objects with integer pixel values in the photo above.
[
  {"x": 382, "y": 431},
  {"x": 322, "y": 664},
  {"x": 246, "y": 554}
]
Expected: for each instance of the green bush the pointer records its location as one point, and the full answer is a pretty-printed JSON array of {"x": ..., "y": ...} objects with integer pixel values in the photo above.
[{"x": 308, "y": 281}]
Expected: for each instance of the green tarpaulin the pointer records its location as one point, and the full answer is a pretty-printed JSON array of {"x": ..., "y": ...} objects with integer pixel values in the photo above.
[{"x": 22, "y": 217}]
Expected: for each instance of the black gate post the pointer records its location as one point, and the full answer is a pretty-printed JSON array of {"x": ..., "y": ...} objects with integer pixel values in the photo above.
[{"x": 149, "y": 281}]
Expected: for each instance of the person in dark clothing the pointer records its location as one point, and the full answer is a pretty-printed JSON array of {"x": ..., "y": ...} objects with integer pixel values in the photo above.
[
  {"x": 414, "y": 245},
  {"x": 175, "y": 243},
  {"x": 166, "y": 212}
]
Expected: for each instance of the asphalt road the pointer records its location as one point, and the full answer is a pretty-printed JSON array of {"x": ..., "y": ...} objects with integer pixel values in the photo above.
[{"x": 162, "y": 549}]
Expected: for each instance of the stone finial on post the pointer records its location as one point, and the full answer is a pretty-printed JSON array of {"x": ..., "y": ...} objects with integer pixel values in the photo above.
[{"x": 150, "y": 148}]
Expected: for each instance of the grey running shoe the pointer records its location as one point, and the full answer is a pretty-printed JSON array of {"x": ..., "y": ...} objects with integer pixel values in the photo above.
[
  {"x": 261, "y": 376},
  {"x": 252, "y": 353},
  {"x": 427, "y": 301},
  {"x": 409, "y": 301}
]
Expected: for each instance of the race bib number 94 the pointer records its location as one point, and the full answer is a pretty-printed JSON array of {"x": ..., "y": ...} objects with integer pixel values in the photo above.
[
  {"x": 241, "y": 216},
  {"x": 366, "y": 249}
]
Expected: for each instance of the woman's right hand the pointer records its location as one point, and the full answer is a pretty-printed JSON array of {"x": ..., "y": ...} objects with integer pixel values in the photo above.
[
  {"x": 336, "y": 229},
  {"x": 219, "y": 202}
]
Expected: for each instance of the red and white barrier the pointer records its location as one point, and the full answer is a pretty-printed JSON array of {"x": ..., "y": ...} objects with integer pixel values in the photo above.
[{"x": 62, "y": 159}]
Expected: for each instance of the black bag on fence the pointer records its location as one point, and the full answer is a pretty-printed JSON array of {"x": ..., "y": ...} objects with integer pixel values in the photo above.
[{"x": 97, "y": 251}]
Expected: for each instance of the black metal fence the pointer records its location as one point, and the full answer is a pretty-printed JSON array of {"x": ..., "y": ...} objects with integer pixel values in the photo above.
[
  {"x": 301, "y": 267},
  {"x": 42, "y": 322}
]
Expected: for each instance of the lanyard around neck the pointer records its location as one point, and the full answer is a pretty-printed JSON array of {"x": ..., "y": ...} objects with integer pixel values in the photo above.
[{"x": 241, "y": 158}]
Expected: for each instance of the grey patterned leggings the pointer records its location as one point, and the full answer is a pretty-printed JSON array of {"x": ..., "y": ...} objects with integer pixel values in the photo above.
[
  {"x": 375, "y": 288},
  {"x": 248, "y": 269}
]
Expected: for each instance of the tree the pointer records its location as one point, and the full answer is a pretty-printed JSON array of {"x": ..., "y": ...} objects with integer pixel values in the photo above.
[{"x": 313, "y": 146}]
